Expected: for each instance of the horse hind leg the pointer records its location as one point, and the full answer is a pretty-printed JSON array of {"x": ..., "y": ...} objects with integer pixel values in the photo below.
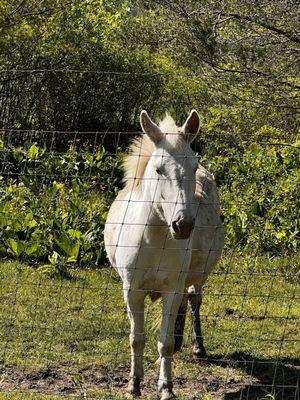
[
  {"x": 195, "y": 301},
  {"x": 180, "y": 323}
]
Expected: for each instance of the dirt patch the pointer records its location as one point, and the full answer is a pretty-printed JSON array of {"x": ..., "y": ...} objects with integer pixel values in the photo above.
[
  {"x": 67, "y": 380},
  {"x": 223, "y": 381}
]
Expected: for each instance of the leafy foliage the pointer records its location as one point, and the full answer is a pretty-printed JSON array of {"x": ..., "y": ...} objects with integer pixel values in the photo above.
[
  {"x": 258, "y": 189},
  {"x": 245, "y": 55},
  {"x": 75, "y": 67},
  {"x": 94, "y": 65},
  {"x": 54, "y": 205},
  {"x": 57, "y": 220}
]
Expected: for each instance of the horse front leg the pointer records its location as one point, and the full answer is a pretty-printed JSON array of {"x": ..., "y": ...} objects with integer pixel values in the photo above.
[
  {"x": 195, "y": 301},
  {"x": 135, "y": 308},
  {"x": 171, "y": 303}
]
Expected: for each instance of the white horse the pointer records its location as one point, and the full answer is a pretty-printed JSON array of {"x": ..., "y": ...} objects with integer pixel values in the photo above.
[{"x": 164, "y": 235}]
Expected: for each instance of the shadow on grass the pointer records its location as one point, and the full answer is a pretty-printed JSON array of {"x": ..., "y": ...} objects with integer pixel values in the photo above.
[{"x": 277, "y": 377}]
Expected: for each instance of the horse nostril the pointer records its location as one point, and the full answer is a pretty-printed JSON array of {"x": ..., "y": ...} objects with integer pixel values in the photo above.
[{"x": 175, "y": 226}]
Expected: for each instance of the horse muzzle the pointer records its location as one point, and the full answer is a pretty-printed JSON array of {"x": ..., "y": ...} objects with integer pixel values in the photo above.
[{"x": 182, "y": 228}]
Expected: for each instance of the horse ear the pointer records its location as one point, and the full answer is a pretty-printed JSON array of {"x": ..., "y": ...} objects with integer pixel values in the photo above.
[
  {"x": 191, "y": 126},
  {"x": 150, "y": 128}
]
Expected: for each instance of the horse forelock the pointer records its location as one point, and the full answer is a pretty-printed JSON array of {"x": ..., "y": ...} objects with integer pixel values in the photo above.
[{"x": 168, "y": 125}]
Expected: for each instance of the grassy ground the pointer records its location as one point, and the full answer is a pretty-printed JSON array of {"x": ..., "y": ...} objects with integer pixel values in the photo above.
[{"x": 61, "y": 337}]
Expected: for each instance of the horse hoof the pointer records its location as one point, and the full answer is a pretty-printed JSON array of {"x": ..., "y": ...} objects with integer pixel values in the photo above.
[
  {"x": 199, "y": 354},
  {"x": 167, "y": 394},
  {"x": 133, "y": 387}
]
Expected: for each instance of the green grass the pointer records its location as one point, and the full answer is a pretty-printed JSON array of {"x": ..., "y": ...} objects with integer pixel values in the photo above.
[{"x": 66, "y": 338}]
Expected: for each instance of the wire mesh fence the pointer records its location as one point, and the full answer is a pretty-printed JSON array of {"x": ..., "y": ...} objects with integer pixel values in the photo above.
[{"x": 64, "y": 325}]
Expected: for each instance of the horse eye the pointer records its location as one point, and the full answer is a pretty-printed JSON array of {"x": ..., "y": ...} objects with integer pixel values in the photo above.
[{"x": 158, "y": 170}]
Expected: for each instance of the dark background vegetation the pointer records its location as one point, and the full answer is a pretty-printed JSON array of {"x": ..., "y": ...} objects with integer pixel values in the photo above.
[{"x": 70, "y": 69}]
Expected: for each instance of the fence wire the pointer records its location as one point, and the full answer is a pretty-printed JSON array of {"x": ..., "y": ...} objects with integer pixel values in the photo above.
[{"x": 64, "y": 327}]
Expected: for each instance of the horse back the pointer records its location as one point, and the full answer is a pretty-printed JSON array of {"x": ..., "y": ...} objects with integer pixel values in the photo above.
[{"x": 208, "y": 235}]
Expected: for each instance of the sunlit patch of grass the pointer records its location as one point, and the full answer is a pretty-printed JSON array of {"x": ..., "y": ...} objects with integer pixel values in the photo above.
[{"x": 78, "y": 330}]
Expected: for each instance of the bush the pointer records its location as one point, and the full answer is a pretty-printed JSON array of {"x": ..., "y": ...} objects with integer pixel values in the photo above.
[
  {"x": 258, "y": 188},
  {"x": 61, "y": 219}
]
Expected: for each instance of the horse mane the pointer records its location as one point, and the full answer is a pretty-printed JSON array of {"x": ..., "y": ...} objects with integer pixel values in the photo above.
[{"x": 140, "y": 151}]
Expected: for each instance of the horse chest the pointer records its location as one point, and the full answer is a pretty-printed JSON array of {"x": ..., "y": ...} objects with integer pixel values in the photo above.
[
  {"x": 144, "y": 255},
  {"x": 157, "y": 269}
]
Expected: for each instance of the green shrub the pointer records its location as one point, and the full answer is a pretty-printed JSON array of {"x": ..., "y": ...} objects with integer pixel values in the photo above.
[
  {"x": 258, "y": 186},
  {"x": 61, "y": 219}
]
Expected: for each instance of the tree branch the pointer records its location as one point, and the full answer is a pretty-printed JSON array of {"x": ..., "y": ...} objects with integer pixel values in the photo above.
[{"x": 290, "y": 35}]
